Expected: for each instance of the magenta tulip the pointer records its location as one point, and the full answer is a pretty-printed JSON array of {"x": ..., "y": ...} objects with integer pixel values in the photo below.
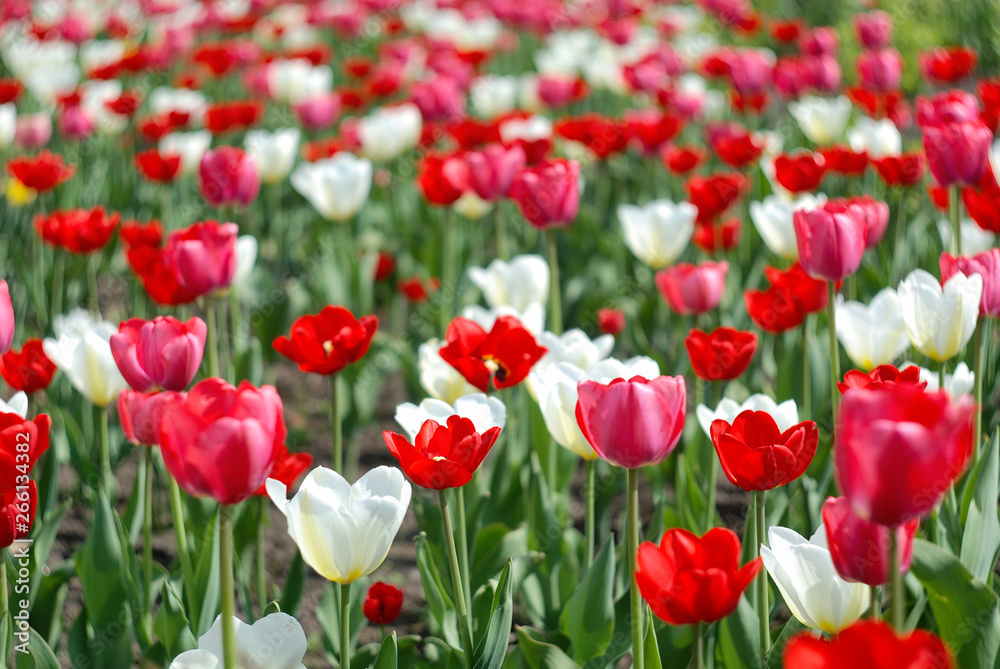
[
  {"x": 632, "y": 423},
  {"x": 33, "y": 131},
  {"x": 548, "y": 194},
  {"x": 202, "y": 257},
  {"x": 873, "y": 29},
  {"x": 880, "y": 69},
  {"x": 161, "y": 354},
  {"x": 318, "y": 112},
  {"x": 6, "y": 318},
  {"x": 985, "y": 264},
  {"x": 954, "y": 106},
  {"x": 876, "y": 218},
  {"x": 492, "y": 170},
  {"x": 693, "y": 289},
  {"x": 957, "y": 153},
  {"x": 141, "y": 414},
  {"x": 860, "y": 548},
  {"x": 831, "y": 240},
  {"x": 229, "y": 176},
  {"x": 924, "y": 439},
  {"x": 221, "y": 441}
]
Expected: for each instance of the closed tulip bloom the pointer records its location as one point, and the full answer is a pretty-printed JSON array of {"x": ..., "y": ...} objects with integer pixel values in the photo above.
[
  {"x": 873, "y": 29},
  {"x": 756, "y": 455},
  {"x": 810, "y": 585},
  {"x": 519, "y": 283},
  {"x": 925, "y": 438},
  {"x": 161, "y": 354},
  {"x": 344, "y": 532},
  {"x": 957, "y": 153},
  {"x": 548, "y": 194},
  {"x": 28, "y": 370},
  {"x": 6, "y": 318},
  {"x": 867, "y": 645},
  {"x": 221, "y": 441},
  {"x": 141, "y": 414},
  {"x": 82, "y": 350},
  {"x": 860, "y": 548},
  {"x": 693, "y": 289},
  {"x": 878, "y": 139},
  {"x": 274, "y": 153},
  {"x": 278, "y": 637},
  {"x": 773, "y": 216},
  {"x": 688, "y": 579},
  {"x": 327, "y": 342},
  {"x": 831, "y": 240},
  {"x": 987, "y": 265},
  {"x": 632, "y": 423},
  {"x": 722, "y": 355},
  {"x": 228, "y": 177},
  {"x": 658, "y": 232},
  {"x": 872, "y": 334},
  {"x": 17, "y": 404},
  {"x": 501, "y": 357},
  {"x": 389, "y": 131},
  {"x": 202, "y": 257},
  {"x": 940, "y": 319},
  {"x": 492, "y": 170},
  {"x": 442, "y": 455},
  {"x": 336, "y": 187},
  {"x": 383, "y": 603},
  {"x": 190, "y": 146},
  {"x": 438, "y": 378},
  {"x": 484, "y": 412},
  {"x": 800, "y": 171}
]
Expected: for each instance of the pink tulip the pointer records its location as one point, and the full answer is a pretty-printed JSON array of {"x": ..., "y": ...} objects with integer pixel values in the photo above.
[
  {"x": 318, "y": 112},
  {"x": 558, "y": 90},
  {"x": 632, "y": 423},
  {"x": 822, "y": 41},
  {"x": 228, "y": 177},
  {"x": 492, "y": 170},
  {"x": 860, "y": 548},
  {"x": 987, "y": 265},
  {"x": 881, "y": 69},
  {"x": 791, "y": 77},
  {"x": 6, "y": 318},
  {"x": 873, "y": 29},
  {"x": 548, "y": 194},
  {"x": 439, "y": 99},
  {"x": 163, "y": 353},
  {"x": 751, "y": 70},
  {"x": 923, "y": 438},
  {"x": 957, "y": 153},
  {"x": 954, "y": 106},
  {"x": 75, "y": 123},
  {"x": 202, "y": 257},
  {"x": 221, "y": 441},
  {"x": 693, "y": 289},
  {"x": 876, "y": 218},
  {"x": 823, "y": 73},
  {"x": 831, "y": 240},
  {"x": 141, "y": 414},
  {"x": 33, "y": 131}
]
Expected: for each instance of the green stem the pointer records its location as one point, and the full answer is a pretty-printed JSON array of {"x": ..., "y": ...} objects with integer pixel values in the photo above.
[
  {"x": 763, "y": 610},
  {"x": 633, "y": 543},
  {"x": 713, "y": 484},
  {"x": 897, "y": 254},
  {"x": 699, "y": 642},
  {"x": 456, "y": 578},
  {"x": 58, "y": 278},
  {"x": 225, "y": 350},
  {"x": 979, "y": 356},
  {"x": 591, "y": 494},
  {"x": 180, "y": 533},
  {"x": 876, "y": 608},
  {"x": 147, "y": 532},
  {"x": 227, "y": 587},
  {"x": 553, "y": 458},
  {"x": 896, "y": 581},
  {"x": 107, "y": 479},
  {"x": 555, "y": 304},
  {"x": 941, "y": 375},
  {"x": 212, "y": 347},
  {"x": 806, "y": 371},
  {"x": 834, "y": 355},
  {"x": 954, "y": 208},
  {"x": 338, "y": 433},
  {"x": 449, "y": 287},
  {"x": 93, "y": 295},
  {"x": 234, "y": 328},
  {"x": 261, "y": 568},
  {"x": 345, "y": 626},
  {"x": 503, "y": 244},
  {"x": 463, "y": 545}
]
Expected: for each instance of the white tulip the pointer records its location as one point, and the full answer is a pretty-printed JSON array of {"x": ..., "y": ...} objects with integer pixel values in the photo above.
[
  {"x": 810, "y": 585},
  {"x": 573, "y": 346},
  {"x": 438, "y": 378},
  {"x": 8, "y": 124},
  {"x": 190, "y": 146},
  {"x": 276, "y": 641},
  {"x": 658, "y": 232},
  {"x": 994, "y": 158},
  {"x": 485, "y": 412},
  {"x": 974, "y": 238},
  {"x": 878, "y": 138},
  {"x": 529, "y": 129},
  {"x": 773, "y": 218},
  {"x": 94, "y": 96},
  {"x": 275, "y": 152},
  {"x": 344, "y": 532},
  {"x": 532, "y": 318},
  {"x": 492, "y": 95},
  {"x": 785, "y": 415},
  {"x": 298, "y": 79},
  {"x": 18, "y": 403},
  {"x": 246, "y": 258},
  {"x": 389, "y": 131},
  {"x": 336, "y": 187},
  {"x": 875, "y": 334},
  {"x": 518, "y": 283},
  {"x": 822, "y": 120},
  {"x": 471, "y": 206},
  {"x": 83, "y": 352},
  {"x": 958, "y": 384},
  {"x": 164, "y": 100},
  {"x": 940, "y": 319}
]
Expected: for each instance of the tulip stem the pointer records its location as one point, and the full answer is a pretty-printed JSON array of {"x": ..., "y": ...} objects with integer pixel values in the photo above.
[
  {"x": 180, "y": 532},
  {"x": 449, "y": 287},
  {"x": 633, "y": 544},
  {"x": 876, "y": 608},
  {"x": 503, "y": 245},
  {"x": 763, "y": 610},
  {"x": 555, "y": 303},
  {"x": 806, "y": 370},
  {"x": 831, "y": 322},
  {"x": 463, "y": 546},
  {"x": 979, "y": 356},
  {"x": 93, "y": 296},
  {"x": 954, "y": 209},
  {"x": 345, "y": 626},
  {"x": 260, "y": 566},
  {"x": 226, "y": 587},
  {"x": 107, "y": 479},
  {"x": 900, "y": 237},
  {"x": 699, "y": 642},
  {"x": 147, "y": 532},
  {"x": 58, "y": 274},
  {"x": 896, "y": 581},
  {"x": 456, "y": 578},
  {"x": 591, "y": 494},
  {"x": 941, "y": 375},
  {"x": 212, "y": 347},
  {"x": 338, "y": 433}
]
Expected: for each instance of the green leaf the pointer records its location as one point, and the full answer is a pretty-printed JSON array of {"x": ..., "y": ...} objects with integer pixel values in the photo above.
[
  {"x": 440, "y": 605},
  {"x": 981, "y": 536},
  {"x": 207, "y": 577},
  {"x": 494, "y": 545},
  {"x": 967, "y": 611},
  {"x": 171, "y": 624},
  {"x": 777, "y": 652},
  {"x": 588, "y": 618},
  {"x": 651, "y": 651},
  {"x": 49, "y": 598},
  {"x": 35, "y": 654},
  {"x": 491, "y": 649},
  {"x": 540, "y": 655},
  {"x": 294, "y": 585},
  {"x": 387, "y": 654},
  {"x": 739, "y": 642}
]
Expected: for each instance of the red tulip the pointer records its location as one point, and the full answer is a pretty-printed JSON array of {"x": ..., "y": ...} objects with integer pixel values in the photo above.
[
  {"x": 611, "y": 321},
  {"x": 924, "y": 438},
  {"x": 715, "y": 194},
  {"x": 220, "y": 441},
  {"x": 159, "y": 281},
  {"x": 756, "y": 455},
  {"x": 988, "y": 91},
  {"x": 416, "y": 289},
  {"x": 880, "y": 376},
  {"x": 722, "y": 355},
  {"x": 632, "y": 423},
  {"x": 288, "y": 467},
  {"x": 228, "y": 177},
  {"x": 957, "y": 153},
  {"x": 42, "y": 172},
  {"x": 327, "y": 342},
  {"x": 947, "y": 64},
  {"x": 158, "y": 167},
  {"x": 22, "y": 442},
  {"x": 904, "y": 170},
  {"x": 875, "y": 215},
  {"x": 980, "y": 205},
  {"x": 161, "y": 354},
  {"x": 439, "y": 98},
  {"x": 842, "y": 160},
  {"x": 860, "y": 548},
  {"x": 800, "y": 172},
  {"x": 603, "y": 136},
  {"x": 717, "y": 236},
  {"x": 77, "y": 230},
  {"x": 492, "y": 170},
  {"x": 10, "y": 90},
  {"x": 29, "y": 369},
  {"x": 202, "y": 257},
  {"x": 141, "y": 414},
  {"x": 650, "y": 129},
  {"x": 739, "y": 150},
  {"x": 681, "y": 159},
  {"x": 383, "y": 603},
  {"x": 225, "y": 117},
  {"x": 504, "y": 355},
  {"x": 831, "y": 240},
  {"x": 784, "y": 305},
  {"x": 689, "y": 579},
  {"x": 693, "y": 289},
  {"x": 443, "y": 178},
  {"x": 14, "y": 507},
  {"x": 7, "y": 323},
  {"x": 867, "y": 645},
  {"x": 548, "y": 194},
  {"x": 442, "y": 456}
]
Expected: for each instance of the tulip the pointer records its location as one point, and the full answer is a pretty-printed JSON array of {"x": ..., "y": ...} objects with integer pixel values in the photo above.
[
  {"x": 875, "y": 334},
  {"x": 714, "y": 194},
  {"x": 17, "y": 404},
  {"x": 956, "y": 385},
  {"x": 882, "y": 375},
  {"x": 924, "y": 437},
  {"x": 873, "y": 29},
  {"x": 141, "y": 414},
  {"x": 6, "y": 318},
  {"x": 503, "y": 356},
  {"x": 866, "y": 645},
  {"x": 484, "y": 412},
  {"x": 28, "y": 370},
  {"x": 722, "y": 355},
  {"x": 952, "y": 106},
  {"x": 336, "y": 187},
  {"x": 548, "y": 194},
  {"x": 493, "y": 95},
  {"x": 344, "y": 532},
  {"x": 297, "y": 79},
  {"x": 228, "y": 177},
  {"x": 273, "y": 153},
  {"x": 41, "y": 172},
  {"x": 756, "y": 455},
  {"x": 572, "y": 346},
  {"x": 163, "y": 353},
  {"x": 974, "y": 239},
  {"x": 785, "y": 415},
  {"x": 658, "y": 232},
  {"x": 947, "y": 64},
  {"x": 22, "y": 442},
  {"x": 860, "y": 548},
  {"x": 442, "y": 456},
  {"x": 773, "y": 218},
  {"x": 957, "y": 153},
  {"x": 987, "y": 265},
  {"x": 78, "y": 231},
  {"x": 492, "y": 170},
  {"x": 812, "y": 588},
  {"x": 318, "y": 112},
  {"x": 221, "y": 441},
  {"x": 8, "y": 124},
  {"x": 438, "y": 378},
  {"x": 611, "y": 321},
  {"x": 784, "y": 305},
  {"x": 878, "y": 139},
  {"x": 82, "y": 351},
  {"x": 383, "y": 603},
  {"x": 278, "y": 637},
  {"x": 439, "y": 98},
  {"x": 163, "y": 101},
  {"x": 822, "y": 120},
  {"x": 880, "y": 69},
  {"x": 831, "y": 240},
  {"x": 33, "y": 131},
  {"x": 189, "y": 146},
  {"x": 327, "y": 342},
  {"x": 939, "y": 319},
  {"x": 389, "y": 131},
  {"x": 693, "y": 289},
  {"x": 158, "y": 167},
  {"x": 288, "y": 468},
  {"x": 517, "y": 284},
  {"x": 202, "y": 257}
]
